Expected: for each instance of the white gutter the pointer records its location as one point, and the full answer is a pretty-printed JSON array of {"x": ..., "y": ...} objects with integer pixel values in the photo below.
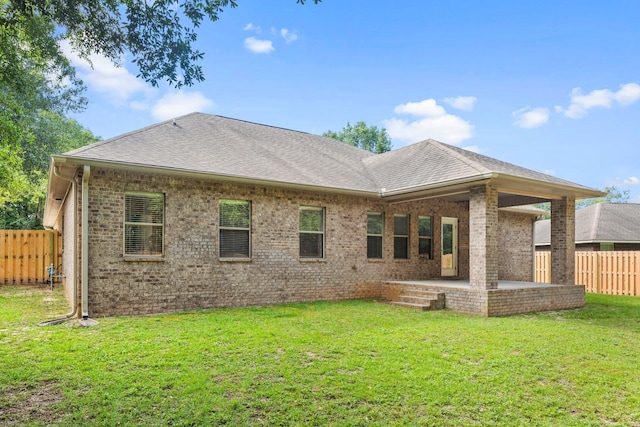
[
  {"x": 187, "y": 173},
  {"x": 74, "y": 298},
  {"x": 85, "y": 240},
  {"x": 437, "y": 185}
]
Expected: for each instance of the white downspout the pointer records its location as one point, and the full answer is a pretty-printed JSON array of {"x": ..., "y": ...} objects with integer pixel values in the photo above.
[
  {"x": 85, "y": 240},
  {"x": 74, "y": 298}
]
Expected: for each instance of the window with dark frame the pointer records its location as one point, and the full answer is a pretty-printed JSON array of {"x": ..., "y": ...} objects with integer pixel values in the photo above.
[
  {"x": 235, "y": 229},
  {"x": 401, "y": 236},
  {"x": 375, "y": 231},
  {"x": 425, "y": 235},
  {"x": 143, "y": 224},
  {"x": 311, "y": 232}
]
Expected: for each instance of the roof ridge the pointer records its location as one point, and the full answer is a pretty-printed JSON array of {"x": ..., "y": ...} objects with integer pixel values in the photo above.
[
  {"x": 454, "y": 151},
  {"x": 258, "y": 124},
  {"x": 596, "y": 221},
  {"x": 352, "y": 147},
  {"x": 117, "y": 137}
]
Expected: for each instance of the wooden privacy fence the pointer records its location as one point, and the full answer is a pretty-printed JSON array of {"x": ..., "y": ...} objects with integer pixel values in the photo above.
[
  {"x": 26, "y": 254},
  {"x": 615, "y": 272}
]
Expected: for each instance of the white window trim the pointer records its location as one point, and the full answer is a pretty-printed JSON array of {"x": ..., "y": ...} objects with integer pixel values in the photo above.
[
  {"x": 220, "y": 228},
  {"x": 124, "y": 221},
  {"x": 375, "y": 235},
  {"x": 402, "y": 235},
  {"x": 429, "y": 237},
  {"x": 324, "y": 237}
]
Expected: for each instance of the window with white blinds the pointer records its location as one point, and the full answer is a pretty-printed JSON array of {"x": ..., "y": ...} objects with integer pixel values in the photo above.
[
  {"x": 311, "y": 232},
  {"x": 235, "y": 229},
  {"x": 143, "y": 224}
]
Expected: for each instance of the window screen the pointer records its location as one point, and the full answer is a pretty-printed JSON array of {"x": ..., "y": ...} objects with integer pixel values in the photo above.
[
  {"x": 375, "y": 231},
  {"x": 425, "y": 233},
  {"x": 311, "y": 232},
  {"x": 235, "y": 229},
  {"x": 401, "y": 236},
  {"x": 144, "y": 224}
]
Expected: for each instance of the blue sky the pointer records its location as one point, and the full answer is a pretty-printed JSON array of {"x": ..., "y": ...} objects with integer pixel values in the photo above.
[{"x": 549, "y": 85}]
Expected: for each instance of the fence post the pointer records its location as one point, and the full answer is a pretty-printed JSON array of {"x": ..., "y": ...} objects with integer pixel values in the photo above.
[{"x": 597, "y": 273}]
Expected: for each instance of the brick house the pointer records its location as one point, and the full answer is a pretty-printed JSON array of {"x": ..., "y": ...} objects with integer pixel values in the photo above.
[
  {"x": 207, "y": 211},
  {"x": 600, "y": 227}
]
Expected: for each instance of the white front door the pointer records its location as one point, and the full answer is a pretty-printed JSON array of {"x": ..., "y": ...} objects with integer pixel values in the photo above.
[{"x": 449, "y": 247}]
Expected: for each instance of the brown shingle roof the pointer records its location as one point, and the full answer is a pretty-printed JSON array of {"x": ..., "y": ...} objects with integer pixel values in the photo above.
[
  {"x": 222, "y": 146},
  {"x": 431, "y": 161}
]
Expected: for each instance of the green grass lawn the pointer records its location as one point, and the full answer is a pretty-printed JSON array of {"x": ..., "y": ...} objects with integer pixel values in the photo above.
[{"x": 328, "y": 363}]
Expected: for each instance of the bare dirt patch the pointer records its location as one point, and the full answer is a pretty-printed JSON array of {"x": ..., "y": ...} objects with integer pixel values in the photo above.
[{"x": 30, "y": 404}]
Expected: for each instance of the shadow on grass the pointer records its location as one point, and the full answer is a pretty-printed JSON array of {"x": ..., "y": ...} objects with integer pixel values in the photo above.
[{"x": 617, "y": 311}]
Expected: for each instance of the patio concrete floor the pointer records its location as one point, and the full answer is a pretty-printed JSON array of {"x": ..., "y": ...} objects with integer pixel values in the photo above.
[{"x": 464, "y": 284}]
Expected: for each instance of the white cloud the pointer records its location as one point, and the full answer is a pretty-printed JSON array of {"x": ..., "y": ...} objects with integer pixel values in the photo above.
[
  {"x": 627, "y": 94},
  {"x": 433, "y": 122},
  {"x": 251, "y": 27},
  {"x": 635, "y": 199},
  {"x": 179, "y": 103},
  {"x": 426, "y": 108},
  {"x": 465, "y": 103},
  {"x": 139, "y": 105},
  {"x": 631, "y": 181},
  {"x": 258, "y": 46},
  {"x": 529, "y": 118},
  {"x": 105, "y": 77},
  {"x": 288, "y": 36}
]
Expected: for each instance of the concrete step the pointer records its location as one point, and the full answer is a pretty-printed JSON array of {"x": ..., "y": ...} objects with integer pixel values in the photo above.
[
  {"x": 421, "y": 307},
  {"x": 421, "y": 293},
  {"x": 426, "y": 300},
  {"x": 421, "y": 300}
]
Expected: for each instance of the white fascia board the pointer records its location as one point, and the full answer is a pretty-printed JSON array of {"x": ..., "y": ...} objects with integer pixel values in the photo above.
[{"x": 186, "y": 173}]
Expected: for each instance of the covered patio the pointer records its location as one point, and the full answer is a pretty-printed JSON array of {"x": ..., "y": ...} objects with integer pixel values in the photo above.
[{"x": 507, "y": 298}]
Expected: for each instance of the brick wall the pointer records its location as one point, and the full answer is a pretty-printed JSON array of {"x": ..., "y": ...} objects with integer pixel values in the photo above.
[
  {"x": 515, "y": 247},
  {"x": 563, "y": 228},
  {"x": 498, "y": 302},
  {"x": 551, "y": 297},
  {"x": 191, "y": 275},
  {"x": 483, "y": 206}
]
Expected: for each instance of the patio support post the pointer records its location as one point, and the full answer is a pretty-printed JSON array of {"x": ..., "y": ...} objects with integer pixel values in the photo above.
[
  {"x": 483, "y": 238},
  {"x": 563, "y": 241}
]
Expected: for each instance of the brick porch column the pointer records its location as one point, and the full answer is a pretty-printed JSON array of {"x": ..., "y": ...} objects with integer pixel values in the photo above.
[
  {"x": 563, "y": 241},
  {"x": 483, "y": 238}
]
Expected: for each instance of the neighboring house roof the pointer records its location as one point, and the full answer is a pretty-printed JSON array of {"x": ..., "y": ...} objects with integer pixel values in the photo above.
[
  {"x": 601, "y": 222},
  {"x": 229, "y": 149}
]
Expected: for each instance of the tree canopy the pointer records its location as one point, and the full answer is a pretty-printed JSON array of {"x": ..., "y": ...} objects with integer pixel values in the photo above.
[
  {"x": 360, "y": 135},
  {"x": 160, "y": 34},
  {"x": 22, "y": 195},
  {"x": 38, "y": 84},
  {"x": 613, "y": 195}
]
